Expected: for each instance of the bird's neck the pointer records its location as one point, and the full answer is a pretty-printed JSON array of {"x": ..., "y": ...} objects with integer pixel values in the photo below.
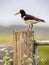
[{"x": 22, "y": 15}]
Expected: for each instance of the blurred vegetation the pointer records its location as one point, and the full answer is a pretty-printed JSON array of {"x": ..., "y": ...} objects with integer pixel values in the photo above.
[
  {"x": 6, "y": 38},
  {"x": 43, "y": 52},
  {"x": 7, "y": 60},
  {"x": 40, "y": 33}
]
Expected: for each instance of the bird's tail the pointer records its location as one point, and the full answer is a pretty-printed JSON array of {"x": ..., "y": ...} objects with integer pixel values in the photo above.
[{"x": 41, "y": 20}]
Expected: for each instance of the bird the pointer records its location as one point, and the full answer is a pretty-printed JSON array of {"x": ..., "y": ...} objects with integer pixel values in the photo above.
[{"x": 29, "y": 19}]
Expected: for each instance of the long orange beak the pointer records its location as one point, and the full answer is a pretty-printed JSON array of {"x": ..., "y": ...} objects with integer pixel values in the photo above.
[{"x": 16, "y": 13}]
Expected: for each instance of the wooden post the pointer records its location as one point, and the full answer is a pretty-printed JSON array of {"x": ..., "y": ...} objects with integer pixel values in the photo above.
[{"x": 23, "y": 44}]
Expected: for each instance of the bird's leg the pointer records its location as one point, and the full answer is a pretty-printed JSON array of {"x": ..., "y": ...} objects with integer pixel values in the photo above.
[{"x": 30, "y": 28}]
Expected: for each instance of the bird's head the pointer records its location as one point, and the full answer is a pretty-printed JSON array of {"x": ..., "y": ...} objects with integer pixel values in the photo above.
[{"x": 22, "y": 12}]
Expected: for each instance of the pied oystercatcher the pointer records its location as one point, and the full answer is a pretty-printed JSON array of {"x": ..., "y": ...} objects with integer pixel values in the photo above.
[{"x": 29, "y": 19}]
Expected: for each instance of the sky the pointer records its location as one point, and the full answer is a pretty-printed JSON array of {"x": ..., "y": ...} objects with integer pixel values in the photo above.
[{"x": 38, "y": 8}]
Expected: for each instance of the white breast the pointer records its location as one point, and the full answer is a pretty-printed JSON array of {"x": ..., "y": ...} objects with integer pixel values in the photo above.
[{"x": 31, "y": 21}]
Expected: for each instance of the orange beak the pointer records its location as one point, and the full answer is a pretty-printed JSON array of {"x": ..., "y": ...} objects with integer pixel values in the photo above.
[{"x": 16, "y": 13}]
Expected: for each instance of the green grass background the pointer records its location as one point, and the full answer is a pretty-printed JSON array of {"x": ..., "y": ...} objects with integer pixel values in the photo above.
[
  {"x": 6, "y": 38},
  {"x": 43, "y": 51}
]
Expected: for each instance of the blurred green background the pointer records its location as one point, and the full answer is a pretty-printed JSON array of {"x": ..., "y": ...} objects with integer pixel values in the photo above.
[{"x": 40, "y": 33}]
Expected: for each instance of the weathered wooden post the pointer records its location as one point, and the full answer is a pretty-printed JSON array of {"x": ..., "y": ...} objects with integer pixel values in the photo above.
[{"x": 23, "y": 44}]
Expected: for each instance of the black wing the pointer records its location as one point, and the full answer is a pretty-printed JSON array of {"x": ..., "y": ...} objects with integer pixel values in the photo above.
[{"x": 30, "y": 17}]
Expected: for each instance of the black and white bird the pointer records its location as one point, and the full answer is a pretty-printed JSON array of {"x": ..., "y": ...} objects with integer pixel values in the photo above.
[{"x": 29, "y": 19}]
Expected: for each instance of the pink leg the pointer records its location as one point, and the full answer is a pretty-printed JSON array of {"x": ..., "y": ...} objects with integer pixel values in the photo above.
[{"x": 30, "y": 28}]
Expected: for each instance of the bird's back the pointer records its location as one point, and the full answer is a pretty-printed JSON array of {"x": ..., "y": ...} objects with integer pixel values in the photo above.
[{"x": 30, "y": 17}]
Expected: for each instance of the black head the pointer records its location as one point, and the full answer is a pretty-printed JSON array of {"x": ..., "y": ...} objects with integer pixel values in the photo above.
[{"x": 22, "y": 12}]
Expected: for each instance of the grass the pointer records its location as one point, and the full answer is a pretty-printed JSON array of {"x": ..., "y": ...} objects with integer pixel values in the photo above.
[
  {"x": 6, "y": 38},
  {"x": 43, "y": 51},
  {"x": 41, "y": 37}
]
